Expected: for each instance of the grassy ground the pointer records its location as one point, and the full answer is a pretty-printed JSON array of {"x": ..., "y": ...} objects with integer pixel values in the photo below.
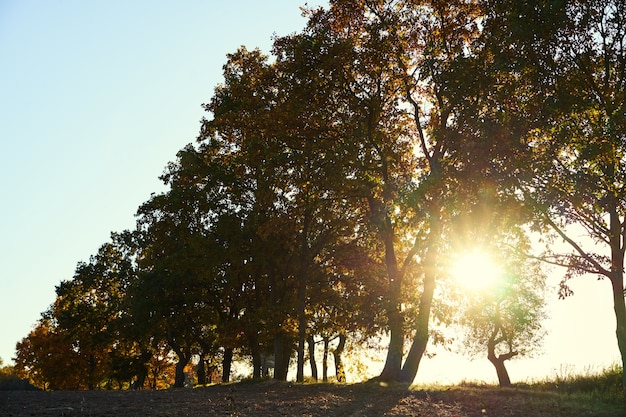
[
  {"x": 590, "y": 395},
  {"x": 603, "y": 386},
  {"x": 271, "y": 398}
]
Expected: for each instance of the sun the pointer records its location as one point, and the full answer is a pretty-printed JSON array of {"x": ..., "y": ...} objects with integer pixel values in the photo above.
[{"x": 476, "y": 270}]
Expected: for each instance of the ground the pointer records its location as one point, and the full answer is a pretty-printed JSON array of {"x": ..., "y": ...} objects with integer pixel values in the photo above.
[{"x": 284, "y": 399}]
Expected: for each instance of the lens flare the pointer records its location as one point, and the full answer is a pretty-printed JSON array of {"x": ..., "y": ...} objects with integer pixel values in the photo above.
[{"x": 476, "y": 270}]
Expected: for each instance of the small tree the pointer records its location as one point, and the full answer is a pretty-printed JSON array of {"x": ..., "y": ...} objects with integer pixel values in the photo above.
[
  {"x": 9, "y": 381},
  {"x": 47, "y": 359},
  {"x": 504, "y": 319}
]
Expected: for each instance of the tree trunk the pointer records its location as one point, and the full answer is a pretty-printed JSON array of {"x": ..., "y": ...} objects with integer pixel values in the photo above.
[
  {"x": 393, "y": 362},
  {"x": 142, "y": 370},
  {"x": 201, "y": 371},
  {"x": 257, "y": 360},
  {"x": 279, "y": 367},
  {"x": 340, "y": 372},
  {"x": 325, "y": 360},
  {"x": 183, "y": 360},
  {"x": 257, "y": 365},
  {"x": 311, "y": 345},
  {"x": 619, "y": 306},
  {"x": 301, "y": 334},
  {"x": 395, "y": 351},
  {"x": 617, "y": 284},
  {"x": 302, "y": 284},
  {"x": 91, "y": 377},
  {"x": 140, "y": 381},
  {"x": 503, "y": 375},
  {"x": 498, "y": 361},
  {"x": 227, "y": 362},
  {"x": 420, "y": 339},
  {"x": 282, "y": 355}
]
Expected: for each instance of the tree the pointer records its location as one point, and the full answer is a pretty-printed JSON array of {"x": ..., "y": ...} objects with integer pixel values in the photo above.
[
  {"x": 348, "y": 93},
  {"x": 10, "y": 381},
  {"x": 47, "y": 358},
  {"x": 355, "y": 71},
  {"x": 91, "y": 336},
  {"x": 87, "y": 307},
  {"x": 345, "y": 299},
  {"x": 321, "y": 158},
  {"x": 369, "y": 151},
  {"x": 576, "y": 179},
  {"x": 177, "y": 270},
  {"x": 503, "y": 320},
  {"x": 325, "y": 188},
  {"x": 284, "y": 153},
  {"x": 240, "y": 135},
  {"x": 409, "y": 89}
]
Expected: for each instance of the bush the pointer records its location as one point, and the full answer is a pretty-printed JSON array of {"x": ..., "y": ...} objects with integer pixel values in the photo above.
[{"x": 9, "y": 381}]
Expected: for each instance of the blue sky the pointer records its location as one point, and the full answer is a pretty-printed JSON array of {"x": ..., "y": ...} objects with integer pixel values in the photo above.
[{"x": 97, "y": 96}]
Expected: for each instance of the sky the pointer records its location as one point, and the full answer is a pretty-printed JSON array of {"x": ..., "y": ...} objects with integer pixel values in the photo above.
[{"x": 96, "y": 97}]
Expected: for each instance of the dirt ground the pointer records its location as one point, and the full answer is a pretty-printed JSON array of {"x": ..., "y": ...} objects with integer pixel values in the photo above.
[{"x": 284, "y": 399}]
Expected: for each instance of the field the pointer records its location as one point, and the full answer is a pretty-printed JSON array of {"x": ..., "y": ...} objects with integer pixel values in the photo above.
[{"x": 271, "y": 398}]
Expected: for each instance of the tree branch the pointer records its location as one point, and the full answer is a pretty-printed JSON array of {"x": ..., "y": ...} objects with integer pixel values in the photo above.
[{"x": 577, "y": 248}]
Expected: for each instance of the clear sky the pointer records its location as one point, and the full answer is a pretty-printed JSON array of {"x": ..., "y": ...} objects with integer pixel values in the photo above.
[{"x": 97, "y": 96}]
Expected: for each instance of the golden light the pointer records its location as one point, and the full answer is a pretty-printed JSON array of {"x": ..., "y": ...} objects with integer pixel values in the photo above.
[{"x": 476, "y": 270}]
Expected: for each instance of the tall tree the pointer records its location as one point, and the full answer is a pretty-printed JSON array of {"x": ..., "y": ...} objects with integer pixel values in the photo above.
[
  {"x": 576, "y": 179},
  {"x": 177, "y": 269},
  {"x": 240, "y": 134},
  {"x": 286, "y": 151},
  {"x": 308, "y": 116},
  {"x": 371, "y": 153},
  {"x": 409, "y": 77}
]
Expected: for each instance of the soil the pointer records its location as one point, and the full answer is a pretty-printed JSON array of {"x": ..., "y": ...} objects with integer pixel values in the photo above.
[{"x": 284, "y": 399}]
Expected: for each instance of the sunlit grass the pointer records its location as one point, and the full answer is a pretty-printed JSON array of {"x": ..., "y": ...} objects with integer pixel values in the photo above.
[
  {"x": 591, "y": 392},
  {"x": 603, "y": 385}
]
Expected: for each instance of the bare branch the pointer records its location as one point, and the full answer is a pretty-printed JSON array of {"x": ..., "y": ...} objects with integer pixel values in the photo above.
[{"x": 577, "y": 248}]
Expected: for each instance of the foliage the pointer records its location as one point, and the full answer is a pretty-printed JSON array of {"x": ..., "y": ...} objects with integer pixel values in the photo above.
[
  {"x": 574, "y": 179},
  {"x": 46, "y": 357},
  {"x": 88, "y": 308},
  {"x": 503, "y": 321}
]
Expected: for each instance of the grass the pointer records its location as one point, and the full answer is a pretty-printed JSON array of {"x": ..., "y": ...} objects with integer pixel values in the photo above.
[
  {"x": 564, "y": 395},
  {"x": 604, "y": 385},
  {"x": 597, "y": 393}
]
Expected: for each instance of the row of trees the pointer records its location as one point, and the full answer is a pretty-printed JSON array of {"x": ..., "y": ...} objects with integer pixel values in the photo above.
[{"x": 335, "y": 182}]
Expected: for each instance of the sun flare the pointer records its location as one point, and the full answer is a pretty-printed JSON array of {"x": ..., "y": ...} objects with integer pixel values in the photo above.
[{"x": 476, "y": 270}]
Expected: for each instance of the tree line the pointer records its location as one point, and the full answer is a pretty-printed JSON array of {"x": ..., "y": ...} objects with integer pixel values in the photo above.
[{"x": 335, "y": 181}]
